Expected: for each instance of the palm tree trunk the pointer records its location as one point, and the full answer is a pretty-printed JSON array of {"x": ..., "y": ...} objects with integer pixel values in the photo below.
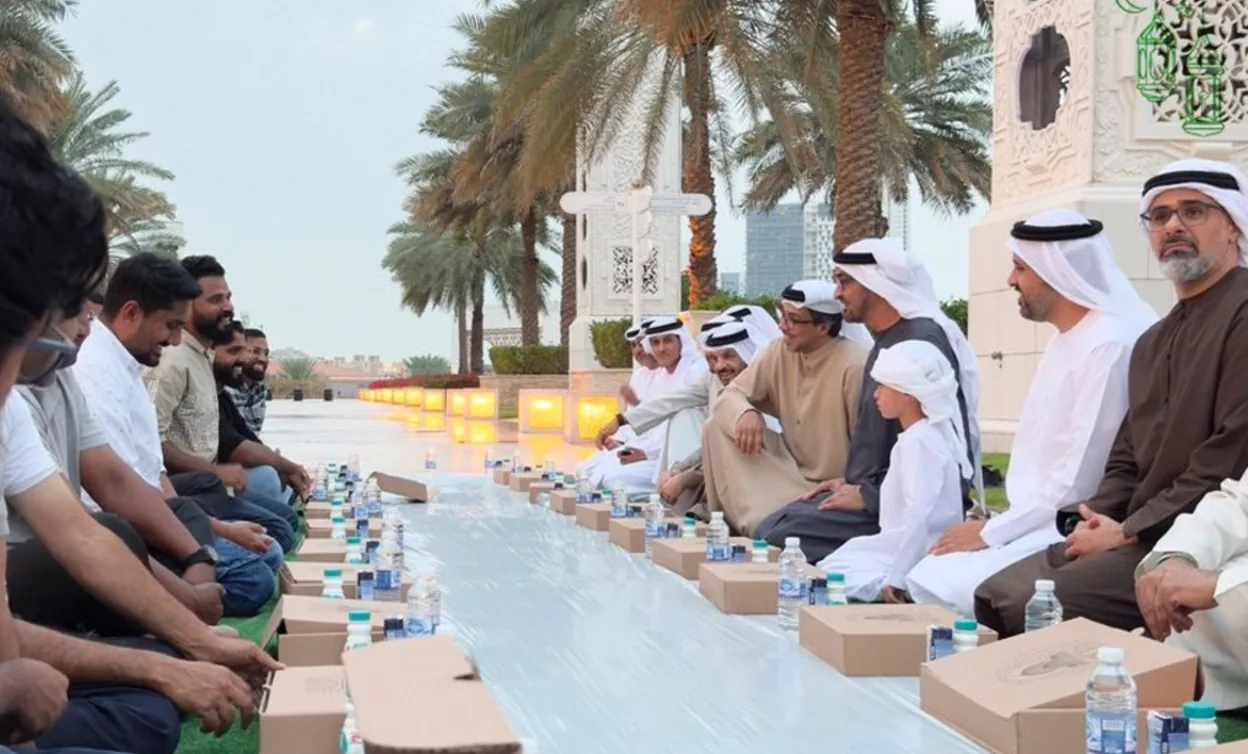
[
  {"x": 530, "y": 298},
  {"x": 567, "y": 294},
  {"x": 461, "y": 322},
  {"x": 864, "y": 29},
  {"x": 477, "y": 337},
  {"x": 703, "y": 275}
]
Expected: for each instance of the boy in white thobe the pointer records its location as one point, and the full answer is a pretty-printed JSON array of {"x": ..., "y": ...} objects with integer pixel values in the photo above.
[{"x": 921, "y": 495}]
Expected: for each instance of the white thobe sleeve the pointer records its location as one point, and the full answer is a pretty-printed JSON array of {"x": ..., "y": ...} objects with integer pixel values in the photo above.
[
  {"x": 1214, "y": 534},
  {"x": 919, "y": 465},
  {"x": 1097, "y": 404},
  {"x": 653, "y": 412}
]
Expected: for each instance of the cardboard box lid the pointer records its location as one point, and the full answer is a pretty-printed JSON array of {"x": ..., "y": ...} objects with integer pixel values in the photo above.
[
  {"x": 299, "y": 692},
  {"x": 1049, "y": 669},
  {"x": 458, "y": 714},
  {"x": 323, "y": 547},
  {"x": 885, "y": 620},
  {"x": 311, "y": 572},
  {"x": 408, "y": 489},
  {"x": 315, "y": 615}
]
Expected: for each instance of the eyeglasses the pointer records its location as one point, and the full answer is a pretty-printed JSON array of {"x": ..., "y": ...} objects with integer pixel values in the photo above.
[
  {"x": 46, "y": 355},
  {"x": 787, "y": 320},
  {"x": 1191, "y": 214}
]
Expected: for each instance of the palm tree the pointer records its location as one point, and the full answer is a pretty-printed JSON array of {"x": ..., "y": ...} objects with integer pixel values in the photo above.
[
  {"x": 934, "y": 126},
  {"x": 153, "y": 236},
  {"x": 864, "y": 27},
  {"x": 299, "y": 368},
  {"x": 426, "y": 364},
  {"x": 87, "y": 140},
  {"x": 34, "y": 60}
]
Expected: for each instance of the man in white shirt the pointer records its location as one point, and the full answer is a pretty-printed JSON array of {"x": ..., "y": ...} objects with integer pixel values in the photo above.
[
  {"x": 1066, "y": 275},
  {"x": 52, "y": 252}
]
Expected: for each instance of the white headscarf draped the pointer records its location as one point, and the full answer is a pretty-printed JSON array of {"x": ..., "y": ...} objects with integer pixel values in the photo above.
[
  {"x": 748, "y": 348},
  {"x": 918, "y": 368},
  {"x": 711, "y": 325},
  {"x": 901, "y": 279},
  {"x": 691, "y": 365},
  {"x": 1234, "y": 202},
  {"x": 1082, "y": 270},
  {"x": 757, "y": 317}
]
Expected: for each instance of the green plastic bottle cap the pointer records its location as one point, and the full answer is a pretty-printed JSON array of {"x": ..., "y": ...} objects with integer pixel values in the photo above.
[
  {"x": 965, "y": 625},
  {"x": 1199, "y": 711},
  {"x": 333, "y": 573},
  {"x": 353, "y": 540},
  {"x": 761, "y": 546},
  {"x": 359, "y": 616},
  {"x": 836, "y": 578},
  {"x": 337, "y": 520}
]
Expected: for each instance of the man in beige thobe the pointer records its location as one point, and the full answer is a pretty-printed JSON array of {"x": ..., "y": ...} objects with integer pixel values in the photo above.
[{"x": 810, "y": 382}]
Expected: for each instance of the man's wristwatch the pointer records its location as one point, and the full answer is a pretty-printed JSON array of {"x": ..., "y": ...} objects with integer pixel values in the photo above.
[{"x": 205, "y": 554}]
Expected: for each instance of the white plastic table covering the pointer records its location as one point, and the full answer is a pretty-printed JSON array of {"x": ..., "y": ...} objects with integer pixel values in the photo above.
[{"x": 588, "y": 648}]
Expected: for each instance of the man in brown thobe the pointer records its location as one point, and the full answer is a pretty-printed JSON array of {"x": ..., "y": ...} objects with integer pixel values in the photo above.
[
  {"x": 1186, "y": 427},
  {"x": 810, "y": 382}
]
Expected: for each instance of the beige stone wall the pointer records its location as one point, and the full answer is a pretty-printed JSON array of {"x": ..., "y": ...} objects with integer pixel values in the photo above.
[
  {"x": 510, "y": 385},
  {"x": 603, "y": 381}
]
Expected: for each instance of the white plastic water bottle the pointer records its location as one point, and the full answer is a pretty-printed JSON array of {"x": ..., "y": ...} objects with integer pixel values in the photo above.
[
  {"x": 489, "y": 459},
  {"x": 619, "y": 503},
  {"x": 353, "y": 466},
  {"x": 654, "y": 522},
  {"x": 431, "y": 460},
  {"x": 792, "y": 585},
  {"x": 1202, "y": 725},
  {"x": 965, "y": 635},
  {"x": 355, "y": 551},
  {"x": 372, "y": 495},
  {"x": 760, "y": 552},
  {"x": 1112, "y": 709},
  {"x": 389, "y": 577},
  {"x": 359, "y": 630},
  {"x": 1043, "y": 609},
  {"x": 351, "y": 742},
  {"x": 836, "y": 589},
  {"x": 338, "y": 529},
  {"x": 424, "y": 608},
  {"x": 717, "y": 550},
  {"x": 331, "y": 585}
]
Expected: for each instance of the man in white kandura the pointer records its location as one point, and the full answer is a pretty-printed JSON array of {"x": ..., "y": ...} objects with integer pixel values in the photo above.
[
  {"x": 1065, "y": 275},
  {"x": 644, "y": 365},
  {"x": 629, "y": 460}
]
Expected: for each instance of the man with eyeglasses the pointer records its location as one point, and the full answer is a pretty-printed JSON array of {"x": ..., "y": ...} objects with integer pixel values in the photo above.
[
  {"x": 54, "y": 688},
  {"x": 810, "y": 383},
  {"x": 1186, "y": 428}
]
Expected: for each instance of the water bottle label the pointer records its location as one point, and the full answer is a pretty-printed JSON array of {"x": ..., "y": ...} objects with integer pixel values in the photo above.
[
  {"x": 383, "y": 580},
  {"x": 1111, "y": 732},
  {"x": 419, "y": 627},
  {"x": 792, "y": 588},
  {"x": 818, "y": 596}
]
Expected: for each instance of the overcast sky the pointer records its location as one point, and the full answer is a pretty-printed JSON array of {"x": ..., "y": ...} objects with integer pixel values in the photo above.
[{"x": 282, "y": 120}]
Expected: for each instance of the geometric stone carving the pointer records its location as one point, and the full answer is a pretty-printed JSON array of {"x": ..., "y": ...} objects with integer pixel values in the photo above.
[{"x": 622, "y": 273}]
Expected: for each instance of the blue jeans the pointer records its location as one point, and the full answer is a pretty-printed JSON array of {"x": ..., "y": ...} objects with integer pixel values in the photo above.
[
  {"x": 115, "y": 718},
  {"x": 249, "y": 579},
  {"x": 280, "y": 521},
  {"x": 264, "y": 489}
]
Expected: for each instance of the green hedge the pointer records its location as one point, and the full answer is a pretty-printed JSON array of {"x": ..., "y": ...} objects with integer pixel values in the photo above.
[
  {"x": 610, "y": 348},
  {"x": 529, "y": 359},
  {"x": 721, "y": 301}
]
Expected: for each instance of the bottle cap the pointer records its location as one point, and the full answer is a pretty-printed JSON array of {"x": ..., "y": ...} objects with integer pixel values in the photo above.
[
  {"x": 333, "y": 573},
  {"x": 1045, "y": 585},
  {"x": 1110, "y": 655},
  {"x": 363, "y": 576},
  {"x": 738, "y": 549},
  {"x": 761, "y": 545},
  {"x": 393, "y": 624},
  {"x": 792, "y": 541},
  {"x": 337, "y": 520},
  {"x": 353, "y": 541},
  {"x": 359, "y": 616},
  {"x": 818, "y": 582},
  {"x": 966, "y": 624},
  {"x": 1199, "y": 711},
  {"x": 836, "y": 578}
]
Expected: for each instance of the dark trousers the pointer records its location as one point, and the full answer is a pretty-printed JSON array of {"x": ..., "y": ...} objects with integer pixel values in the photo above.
[
  {"x": 279, "y": 521},
  {"x": 41, "y": 591},
  {"x": 117, "y": 718}
]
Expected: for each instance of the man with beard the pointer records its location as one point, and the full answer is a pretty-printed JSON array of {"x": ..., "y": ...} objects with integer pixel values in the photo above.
[
  {"x": 147, "y": 303},
  {"x": 184, "y": 389},
  {"x": 1066, "y": 275},
  {"x": 1187, "y": 410},
  {"x": 811, "y": 385},
  {"x": 886, "y": 288},
  {"x": 252, "y": 396}
]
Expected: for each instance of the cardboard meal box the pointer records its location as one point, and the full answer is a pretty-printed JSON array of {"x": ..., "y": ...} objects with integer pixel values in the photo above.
[
  {"x": 596, "y": 516},
  {"x": 1025, "y": 695},
  {"x": 302, "y": 710},
  {"x": 322, "y": 528},
  {"x": 313, "y": 631},
  {"x": 684, "y": 556},
  {"x": 744, "y": 588},
  {"x": 306, "y": 579},
  {"x": 502, "y": 476},
  {"x": 630, "y": 533},
  {"x": 875, "y": 640},
  {"x": 322, "y": 551},
  {"x": 537, "y": 489},
  {"x": 1235, "y": 747},
  {"x": 457, "y": 713},
  {"x": 316, "y": 509},
  {"x": 409, "y": 490},
  {"x": 522, "y": 481},
  {"x": 563, "y": 501}
]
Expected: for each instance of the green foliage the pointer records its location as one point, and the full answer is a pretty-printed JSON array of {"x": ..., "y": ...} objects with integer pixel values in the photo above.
[
  {"x": 684, "y": 290},
  {"x": 300, "y": 369},
  {"x": 956, "y": 310},
  {"x": 529, "y": 359},
  {"x": 427, "y": 364},
  {"x": 724, "y": 300},
  {"x": 610, "y": 347}
]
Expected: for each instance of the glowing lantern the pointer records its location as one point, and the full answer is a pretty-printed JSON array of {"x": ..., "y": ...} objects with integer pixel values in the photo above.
[
  {"x": 587, "y": 414},
  {"x": 387, "y": 396},
  {"x": 541, "y": 411},
  {"x": 482, "y": 404},
  {"x": 413, "y": 396},
  {"x": 434, "y": 401},
  {"x": 457, "y": 403}
]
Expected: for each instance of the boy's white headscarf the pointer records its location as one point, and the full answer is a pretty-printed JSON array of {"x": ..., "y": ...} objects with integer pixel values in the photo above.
[
  {"x": 1220, "y": 181},
  {"x": 918, "y": 368}
]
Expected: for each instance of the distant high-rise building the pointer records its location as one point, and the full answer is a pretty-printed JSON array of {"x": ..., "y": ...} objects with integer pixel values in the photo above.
[{"x": 730, "y": 282}]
